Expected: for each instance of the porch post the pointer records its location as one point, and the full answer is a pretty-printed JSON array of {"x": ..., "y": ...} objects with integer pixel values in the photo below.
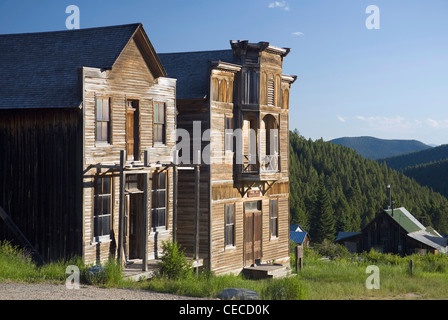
[
  {"x": 197, "y": 172},
  {"x": 175, "y": 182},
  {"x": 145, "y": 222},
  {"x": 121, "y": 210}
]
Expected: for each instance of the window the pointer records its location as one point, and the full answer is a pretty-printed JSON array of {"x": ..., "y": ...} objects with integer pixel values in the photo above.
[
  {"x": 251, "y": 87},
  {"x": 102, "y": 133},
  {"x": 252, "y": 206},
  {"x": 228, "y": 133},
  {"x": 222, "y": 93},
  {"x": 159, "y": 199},
  {"x": 159, "y": 122},
  {"x": 102, "y": 206},
  {"x": 271, "y": 92},
  {"x": 230, "y": 225},
  {"x": 274, "y": 218}
]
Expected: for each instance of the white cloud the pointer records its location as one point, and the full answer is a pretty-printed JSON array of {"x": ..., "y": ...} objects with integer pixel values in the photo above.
[
  {"x": 297, "y": 33},
  {"x": 437, "y": 124},
  {"x": 279, "y": 4},
  {"x": 341, "y": 119}
]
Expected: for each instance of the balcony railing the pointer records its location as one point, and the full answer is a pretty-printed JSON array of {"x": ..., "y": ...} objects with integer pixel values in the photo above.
[
  {"x": 267, "y": 164},
  {"x": 250, "y": 163}
]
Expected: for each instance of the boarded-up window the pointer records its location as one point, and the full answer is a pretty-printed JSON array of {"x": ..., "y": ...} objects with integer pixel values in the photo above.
[
  {"x": 274, "y": 218},
  {"x": 102, "y": 115},
  {"x": 222, "y": 91},
  {"x": 215, "y": 89},
  {"x": 159, "y": 122},
  {"x": 277, "y": 91},
  {"x": 102, "y": 206},
  {"x": 285, "y": 99},
  {"x": 230, "y": 224},
  {"x": 159, "y": 199}
]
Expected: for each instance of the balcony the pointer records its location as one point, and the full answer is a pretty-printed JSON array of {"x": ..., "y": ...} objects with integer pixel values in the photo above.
[{"x": 259, "y": 168}]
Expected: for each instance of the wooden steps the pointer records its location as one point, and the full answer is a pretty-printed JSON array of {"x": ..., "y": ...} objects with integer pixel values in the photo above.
[{"x": 266, "y": 271}]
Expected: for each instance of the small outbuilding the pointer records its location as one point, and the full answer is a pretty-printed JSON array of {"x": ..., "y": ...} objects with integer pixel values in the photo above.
[
  {"x": 298, "y": 235},
  {"x": 394, "y": 231}
]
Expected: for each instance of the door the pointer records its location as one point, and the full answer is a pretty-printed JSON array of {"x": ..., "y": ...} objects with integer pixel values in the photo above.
[
  {"x": 135, "y": 226},
  {"x": 252, "y": 234},
  {"x": 132, "y": 133}
]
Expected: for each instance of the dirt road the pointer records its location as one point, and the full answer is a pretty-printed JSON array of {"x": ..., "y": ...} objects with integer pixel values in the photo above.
[{"x": 20, "y": 291}]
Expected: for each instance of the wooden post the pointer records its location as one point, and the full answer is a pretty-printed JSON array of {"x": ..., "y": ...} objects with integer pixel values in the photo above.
[
  {"x": 411, "y": 267},
  {"x": 145, "y": 220},
  {"x": 299, "y": 257},
  {"x": 175, "y": 182},
  {"x": 20, "y": 236},
  {"x": 197, "y": 196},
  {"x": 121, "y": 210}
]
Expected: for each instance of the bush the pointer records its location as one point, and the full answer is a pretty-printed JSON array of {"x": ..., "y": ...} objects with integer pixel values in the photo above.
[
  {"x": 284, "y": 289},
  {"x": 174, "y": 264},
  {"x": 332, "y": 250}
]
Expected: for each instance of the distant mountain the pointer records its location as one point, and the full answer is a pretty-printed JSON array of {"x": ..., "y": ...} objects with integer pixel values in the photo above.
[
  {"x": 426, "y": 156},
  {"x": 374, "y": 148}
]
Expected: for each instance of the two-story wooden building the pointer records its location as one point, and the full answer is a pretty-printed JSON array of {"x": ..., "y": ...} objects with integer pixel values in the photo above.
[
  {"x": 233, "y": 107},
  {"x": 87, "y": 133}
]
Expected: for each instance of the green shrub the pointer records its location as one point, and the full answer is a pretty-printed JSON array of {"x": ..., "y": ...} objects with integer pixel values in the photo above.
[
  {"x": 288, "y": 288},
  {"x": 332, "y": 250},
  {"x": 174, "y": 264}
]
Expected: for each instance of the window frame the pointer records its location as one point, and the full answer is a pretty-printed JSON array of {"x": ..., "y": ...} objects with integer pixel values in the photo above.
[
  {"x": 229, "y": 222},
  {"x": 273, "y": 219},
  {"x": 157, "y": 123},
  {"x": 229, "y": 127},
  {"x": 155, "y": 205},
  {"x": 99, "y": 214},
  {"x": 98, "y": 120}
]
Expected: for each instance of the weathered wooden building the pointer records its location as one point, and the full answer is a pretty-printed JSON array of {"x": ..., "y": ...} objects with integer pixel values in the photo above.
[
  {"x": 87, "y": 134},
  {"x": 233, "y": 106},
  {"x": 394, "y": 231}
]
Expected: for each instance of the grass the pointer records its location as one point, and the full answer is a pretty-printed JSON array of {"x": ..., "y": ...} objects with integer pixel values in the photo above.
[
  {"x": 345, "y": 278},
  {"x": 342, "y": 277}
]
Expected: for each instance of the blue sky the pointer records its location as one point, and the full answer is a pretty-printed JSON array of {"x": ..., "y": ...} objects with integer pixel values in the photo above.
[{"x": 389, "y": 83}]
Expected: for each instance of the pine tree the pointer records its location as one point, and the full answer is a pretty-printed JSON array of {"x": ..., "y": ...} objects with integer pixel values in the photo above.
[{"x": 322, "y": 220}]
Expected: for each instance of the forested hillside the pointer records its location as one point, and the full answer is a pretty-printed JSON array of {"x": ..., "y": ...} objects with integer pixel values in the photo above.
[
  {"x": 417, "y": 158},
  {"x": 354, "y": 187},
  {"x": 433, "y": 175},
  {"x": 374, "y": 148}
]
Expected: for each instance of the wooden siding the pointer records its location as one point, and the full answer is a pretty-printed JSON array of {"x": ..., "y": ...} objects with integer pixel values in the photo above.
[
  {"x": 40, "y": 186},
  {"x": 130, "y": 78}
]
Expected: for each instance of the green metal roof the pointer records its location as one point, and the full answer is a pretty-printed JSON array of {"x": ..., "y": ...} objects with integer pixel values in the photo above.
[{"x": 405, "y": 219}]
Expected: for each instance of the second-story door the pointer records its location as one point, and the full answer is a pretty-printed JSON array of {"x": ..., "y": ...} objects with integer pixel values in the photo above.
[{"x": 132, "y": 133}]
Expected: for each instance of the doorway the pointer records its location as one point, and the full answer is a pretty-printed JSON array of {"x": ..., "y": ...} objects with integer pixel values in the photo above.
[
  {"x": 132, "y": 130},
  {"x": 135, "y": 216}
]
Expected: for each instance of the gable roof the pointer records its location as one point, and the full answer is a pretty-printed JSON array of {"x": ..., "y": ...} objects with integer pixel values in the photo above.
[
  {"x": 191, "y": 69},
  {"x": 405, "y": 219},
  {"x": 296, "y": 233},
  {"x": 42, "y": 68}
]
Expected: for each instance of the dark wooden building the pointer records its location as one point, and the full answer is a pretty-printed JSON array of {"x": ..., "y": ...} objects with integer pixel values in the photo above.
[
  {"x": 395, "y": 231},
  {"x": 87, "y": 134},
  {"x": 234, "y": 106}
]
